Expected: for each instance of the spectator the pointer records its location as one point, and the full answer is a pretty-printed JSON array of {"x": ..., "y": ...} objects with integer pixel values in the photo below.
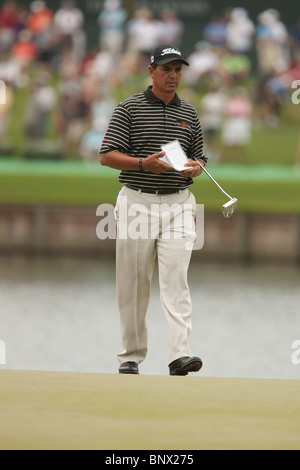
[
  {"x": 236, "y": 67},
  {"x": 8, "y": 22},
  {"x": 41, "y": 25},
  {"x": 215, "y": 32},
  {"x": 40, "y": 106},
  {"x": 72, "y": 119},
  {"x": 239, "y": 32},
  {"x": 89, "y": 146},
  {"x": 204, "y": 62},
  {"x": 25, "y": 50},
  {"x": 143, "y": 36},
  {"x": 272, "y": 42},
  {"x": 236, "y": 131},
  {"x": 211, "y": 116},
  {"x": 9, "y": 14},
  {"x": 131, "y": 54},
  {"x": 69, "y": 22},
  {"x": 149, "y": 35},
  {"x": 102, "y": 69},
  {"x": 270, "y": 96},
  {"x": 101, "y": 109},
  {"x": 22, "y": 18},
  {"x": 11, "y": 71},
  {"x": 40, "y": 19},
  {"x": 171, "y": 28},
  {"x": 112, "y": 22},
  {"x": 295, "y": 37},
  {"x": 38, "y": 34},
  {"x": 5, "y": 108}
]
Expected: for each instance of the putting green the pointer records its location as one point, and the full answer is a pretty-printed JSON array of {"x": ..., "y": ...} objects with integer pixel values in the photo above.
[{"x": 58, "y": 410}]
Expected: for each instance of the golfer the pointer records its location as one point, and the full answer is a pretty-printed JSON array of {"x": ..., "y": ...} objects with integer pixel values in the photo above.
[{"x": 138, "y": 128}]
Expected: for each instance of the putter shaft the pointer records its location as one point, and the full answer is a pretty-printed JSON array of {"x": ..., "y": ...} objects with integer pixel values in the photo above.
[{"x": 209, "y": 175}]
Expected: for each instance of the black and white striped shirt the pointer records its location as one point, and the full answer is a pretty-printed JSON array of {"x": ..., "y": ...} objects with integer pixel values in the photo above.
[{"x": 141, "y": 124}]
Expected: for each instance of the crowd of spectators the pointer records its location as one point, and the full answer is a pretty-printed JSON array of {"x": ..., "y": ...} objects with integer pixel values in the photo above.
[{"x": 73, "y": 85}]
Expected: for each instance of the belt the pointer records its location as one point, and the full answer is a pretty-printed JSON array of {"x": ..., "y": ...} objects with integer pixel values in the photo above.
[{"x": 158, "y": 191}]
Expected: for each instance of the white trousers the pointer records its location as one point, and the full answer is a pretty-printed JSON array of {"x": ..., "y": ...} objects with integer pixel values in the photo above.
[{"x": 150, "y": 225}]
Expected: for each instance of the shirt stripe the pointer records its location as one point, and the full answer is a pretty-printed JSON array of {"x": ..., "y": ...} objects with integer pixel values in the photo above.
[{"x": 141, "y": 124}]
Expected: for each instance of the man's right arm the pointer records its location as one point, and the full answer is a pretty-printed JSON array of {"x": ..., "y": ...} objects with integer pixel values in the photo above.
[
  {"x": 121, "y": 161},
  {"x": 117, "y": 142}
]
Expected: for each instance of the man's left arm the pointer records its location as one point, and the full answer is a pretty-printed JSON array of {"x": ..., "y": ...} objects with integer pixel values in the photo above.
[{"x": 195, "y": 154}]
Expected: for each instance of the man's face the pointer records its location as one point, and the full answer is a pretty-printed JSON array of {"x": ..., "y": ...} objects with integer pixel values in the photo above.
[{"x": 166, "y": 78}]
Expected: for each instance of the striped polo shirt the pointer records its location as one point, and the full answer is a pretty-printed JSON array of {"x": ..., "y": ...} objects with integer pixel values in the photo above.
[{"x": 141, "y": 124}]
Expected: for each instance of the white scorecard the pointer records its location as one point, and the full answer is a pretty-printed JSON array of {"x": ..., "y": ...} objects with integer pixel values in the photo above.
[{"x": 175, "y": 156}]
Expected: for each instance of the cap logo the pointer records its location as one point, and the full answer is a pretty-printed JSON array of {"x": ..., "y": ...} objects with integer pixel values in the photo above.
[{"x": 170, "y": 50}]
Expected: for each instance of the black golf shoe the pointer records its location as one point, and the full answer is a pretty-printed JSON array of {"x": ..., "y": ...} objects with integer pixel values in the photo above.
[
  {"x": 129, "y": 367},
  {"x": 184, "y": 365}
]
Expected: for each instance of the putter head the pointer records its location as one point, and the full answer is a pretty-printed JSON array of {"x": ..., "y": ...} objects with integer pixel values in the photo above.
[{"x": 229, "y": 208}]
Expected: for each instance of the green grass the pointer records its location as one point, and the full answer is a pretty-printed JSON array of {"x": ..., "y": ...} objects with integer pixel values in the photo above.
[
  {"x": 74, "y": 411},
  {"x": 270, "y": 189},
  {"x": 274, "y": 146}
]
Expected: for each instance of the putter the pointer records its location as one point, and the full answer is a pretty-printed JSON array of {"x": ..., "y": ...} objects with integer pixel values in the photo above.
[{"x": 229, "y": 207}]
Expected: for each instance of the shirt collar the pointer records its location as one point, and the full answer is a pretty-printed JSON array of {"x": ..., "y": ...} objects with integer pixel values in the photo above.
[{"x": 152, "y": 98}]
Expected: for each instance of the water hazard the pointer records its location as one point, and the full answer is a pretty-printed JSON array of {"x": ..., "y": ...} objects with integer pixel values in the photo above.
[{"x": 61, "y": 314}]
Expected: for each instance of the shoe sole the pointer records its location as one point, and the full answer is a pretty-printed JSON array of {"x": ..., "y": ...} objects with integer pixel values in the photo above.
[
  {"x": 193, "y": 366},
  {"x": 128, "y": 372},
  {"x": 129, "y": 367}
]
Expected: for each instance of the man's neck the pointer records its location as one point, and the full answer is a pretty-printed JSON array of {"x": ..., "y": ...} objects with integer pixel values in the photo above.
[{"x": 165, "y": 97}]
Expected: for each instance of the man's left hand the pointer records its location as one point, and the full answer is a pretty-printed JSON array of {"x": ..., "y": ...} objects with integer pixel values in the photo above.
[{"x": 193, "y": 172}]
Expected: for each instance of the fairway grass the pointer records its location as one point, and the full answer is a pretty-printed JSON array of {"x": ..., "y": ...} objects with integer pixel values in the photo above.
[
  {"x": 58, "y": 410},
  {"x": 259, "y": 189}
]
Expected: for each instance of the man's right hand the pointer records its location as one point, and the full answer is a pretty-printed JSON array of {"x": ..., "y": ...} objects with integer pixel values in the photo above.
[{"x": 155, "y": 165}]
